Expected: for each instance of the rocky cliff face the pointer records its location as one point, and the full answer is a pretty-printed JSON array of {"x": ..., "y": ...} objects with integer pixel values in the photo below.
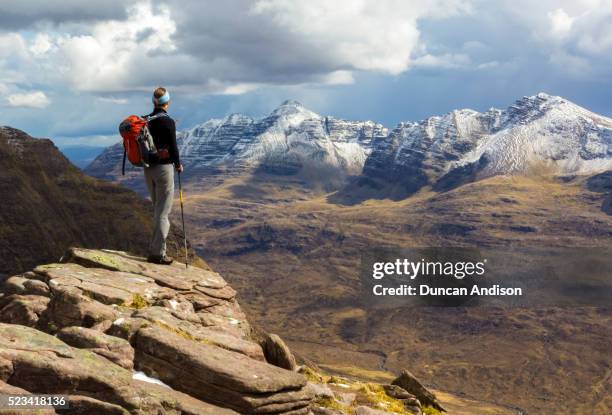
[
  {"x": 118, "y": 335},
  {"x": 49, "y": 205}
]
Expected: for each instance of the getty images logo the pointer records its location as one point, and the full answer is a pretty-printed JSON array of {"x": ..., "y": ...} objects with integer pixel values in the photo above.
[{"x": 412, "y": 269}]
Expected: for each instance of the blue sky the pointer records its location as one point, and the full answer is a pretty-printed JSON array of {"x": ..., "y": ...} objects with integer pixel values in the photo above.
[{"x": 71, "y": 70}]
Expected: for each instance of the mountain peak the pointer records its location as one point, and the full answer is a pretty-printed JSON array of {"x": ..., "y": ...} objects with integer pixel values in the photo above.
[
  {"x": 291, "y": 107},
  {"x": 291, "y": 103},
  {"x": 529, "y": 108},
  {"x": 542, "y": 99},
  {"x": 11, "y": 132},
  {"x": 535, "y": 106},
  {"x": 237, "y": 117},
  {"x": 544, "y": 95}
]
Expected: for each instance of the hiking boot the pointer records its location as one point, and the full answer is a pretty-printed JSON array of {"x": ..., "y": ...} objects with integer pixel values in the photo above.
[{"x": 158, "y": 259}]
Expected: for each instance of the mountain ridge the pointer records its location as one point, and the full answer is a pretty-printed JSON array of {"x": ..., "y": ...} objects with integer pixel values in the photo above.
[
  {"x": 49, "y": 204},
  {"x": 441, "y": 150},
  {"x": 540, "y": 133},
  {"x": 283, "y": 142}
]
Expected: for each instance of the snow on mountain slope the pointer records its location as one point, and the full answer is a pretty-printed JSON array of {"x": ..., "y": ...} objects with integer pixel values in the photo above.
[
  {"x": 283, "y": 142},
  {"x": 465, "y": 145},
  {"x": 573, "y": 139},
  {"x": 443, "y": 151},
  {"x": 415, "y": 153}
]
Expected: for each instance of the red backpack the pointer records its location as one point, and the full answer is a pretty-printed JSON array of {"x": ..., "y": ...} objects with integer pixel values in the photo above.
[{"x": 138, "y": 143}]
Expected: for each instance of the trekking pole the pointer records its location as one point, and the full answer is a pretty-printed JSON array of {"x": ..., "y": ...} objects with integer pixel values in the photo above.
[{"x": 183, "y": 217}]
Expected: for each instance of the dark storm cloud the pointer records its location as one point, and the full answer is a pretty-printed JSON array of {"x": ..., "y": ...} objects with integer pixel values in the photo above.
[
  {"x": 246, "y": 47},
  {"x": 276, "y": 42},
  {"x": 225, "y": 47},
  {"x": 17, "y": 15}
]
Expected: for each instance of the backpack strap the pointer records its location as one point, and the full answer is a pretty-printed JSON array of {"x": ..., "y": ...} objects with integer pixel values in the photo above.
[
  {"x": 153, "y": 117},
  {"x": 123, "y": 167}
]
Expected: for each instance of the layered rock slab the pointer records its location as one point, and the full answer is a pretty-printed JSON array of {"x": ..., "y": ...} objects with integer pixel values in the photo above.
[
  {"x": 194, "y": 331},
  {"x": 40, "y": 363},
  {"x": 175, "y": 275},
  {"x": 212, "y": 299},
  {"x": 110, "y": 312},
  {"x": 115, "y": 349},
  {"x": 247, "y": 385}
]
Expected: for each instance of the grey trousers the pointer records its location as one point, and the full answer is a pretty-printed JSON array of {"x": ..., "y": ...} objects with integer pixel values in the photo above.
[{"x": 160, "y": 182}]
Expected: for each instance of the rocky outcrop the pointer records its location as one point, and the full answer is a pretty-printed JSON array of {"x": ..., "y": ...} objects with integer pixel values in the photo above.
[
  {"x": 335, "y": 395},
  {"x": 38, "y": 362},
  {"x": 278, "y": 353},
  {"x": 22, "y": 309},
  {"x": 50, "y": 205},
  {"x": 411, "y": 403},
  {"x": 409, "y": 383},
  {"x": 218, "y": 375},
  {"x": 93, "y": 325},
  {"x": 121, "y": 336}
]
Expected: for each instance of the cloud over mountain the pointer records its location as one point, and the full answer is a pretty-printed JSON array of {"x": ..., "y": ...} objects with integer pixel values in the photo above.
[
  {"x": 242, "y": 54},
  {"x": 235, "y": 46},
  {"x": 223, "y": 47}
]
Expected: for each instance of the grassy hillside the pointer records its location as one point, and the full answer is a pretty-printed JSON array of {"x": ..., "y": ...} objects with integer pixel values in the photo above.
[{"x": 48, "y": 205}]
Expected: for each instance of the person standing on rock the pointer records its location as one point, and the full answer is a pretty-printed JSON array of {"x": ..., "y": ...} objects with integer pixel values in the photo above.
[{"x": 160, "y": 174}]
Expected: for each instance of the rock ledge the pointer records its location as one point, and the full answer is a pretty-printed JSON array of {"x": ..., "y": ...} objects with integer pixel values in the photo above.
[{"x": 83, "y": 327}]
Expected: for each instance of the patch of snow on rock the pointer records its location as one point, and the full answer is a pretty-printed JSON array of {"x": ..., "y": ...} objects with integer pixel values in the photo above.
[{"x": 138, "y": 375}]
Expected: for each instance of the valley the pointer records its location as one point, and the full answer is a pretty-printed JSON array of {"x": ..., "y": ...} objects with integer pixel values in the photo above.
[{"x": 295, "y": 256}]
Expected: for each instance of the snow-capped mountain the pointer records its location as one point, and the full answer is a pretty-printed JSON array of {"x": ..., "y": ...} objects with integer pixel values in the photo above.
[
  {"x": 290, "y": 136},
  {"x": 283, "y": 142},
  {"x": 465, "y": 144},
  {"x": 442, "y": 151}
]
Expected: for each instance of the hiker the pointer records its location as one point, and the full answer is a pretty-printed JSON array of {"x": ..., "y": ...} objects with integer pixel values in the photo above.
[{"x": 159, "y": 175}]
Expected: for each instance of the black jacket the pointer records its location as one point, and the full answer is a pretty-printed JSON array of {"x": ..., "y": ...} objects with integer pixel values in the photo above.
[{"x": 163, "y": 131}]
